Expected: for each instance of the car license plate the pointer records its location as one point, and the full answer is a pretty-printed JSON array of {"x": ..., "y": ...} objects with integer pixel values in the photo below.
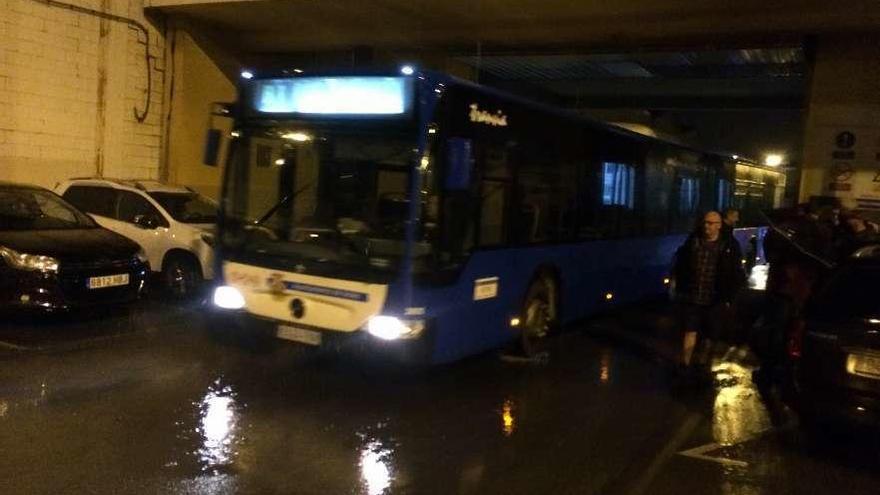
[
  {"x": 866, "y": 365},
  {"x": 108, "y": 281},
  {"x": 301, "y": 335}
]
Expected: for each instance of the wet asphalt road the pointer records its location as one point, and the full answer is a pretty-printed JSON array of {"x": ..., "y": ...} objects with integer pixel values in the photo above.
[{"x": 147, "y": 402}]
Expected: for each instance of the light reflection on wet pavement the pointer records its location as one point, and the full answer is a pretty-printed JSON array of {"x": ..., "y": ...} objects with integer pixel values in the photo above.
[{"x": 172, "y": 411}]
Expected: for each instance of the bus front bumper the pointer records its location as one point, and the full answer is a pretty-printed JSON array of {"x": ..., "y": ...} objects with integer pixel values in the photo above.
[{"x": 360, "y": 344}]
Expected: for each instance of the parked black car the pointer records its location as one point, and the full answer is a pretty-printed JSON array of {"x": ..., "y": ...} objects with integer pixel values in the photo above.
[
  {"x": 837, "y": 375},
  {"x": 54, "y": 257}
]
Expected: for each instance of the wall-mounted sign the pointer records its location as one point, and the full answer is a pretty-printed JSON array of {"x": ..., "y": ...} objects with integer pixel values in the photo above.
[
  {"x": 842, "y": 172},
  {"x": 845, "y": 140}
]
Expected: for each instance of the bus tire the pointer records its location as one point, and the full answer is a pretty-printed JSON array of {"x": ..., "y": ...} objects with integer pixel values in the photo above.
[{"x": 539, "y": 316}]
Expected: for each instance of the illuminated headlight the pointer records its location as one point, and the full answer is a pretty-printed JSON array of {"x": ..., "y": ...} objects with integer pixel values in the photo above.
[
  {"x": 30, "y": 262},
  {"x": 228, "y": 297},
  {"x": 391, "y": 328}
]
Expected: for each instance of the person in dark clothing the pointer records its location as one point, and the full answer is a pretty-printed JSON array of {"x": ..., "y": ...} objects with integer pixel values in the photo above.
[
  {"x": 855, "y": 233},
  {"x": 731, "y": 218},
  {"x": 796, "y": 247},
  {"x": 708, "y": 275}
]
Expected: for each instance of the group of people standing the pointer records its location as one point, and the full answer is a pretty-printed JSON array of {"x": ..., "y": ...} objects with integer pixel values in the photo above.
[{"x": 802, "y": 245}]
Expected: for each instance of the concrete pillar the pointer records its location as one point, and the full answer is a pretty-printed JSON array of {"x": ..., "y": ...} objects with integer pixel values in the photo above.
[
  {"x": 197, "y": 83},
  {"x": 842, "y": 134}
]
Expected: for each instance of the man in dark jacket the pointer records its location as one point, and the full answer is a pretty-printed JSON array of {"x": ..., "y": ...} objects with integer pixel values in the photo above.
[
  {"x": 731, "y": 218},
  {"x": 708, "y": 274}
]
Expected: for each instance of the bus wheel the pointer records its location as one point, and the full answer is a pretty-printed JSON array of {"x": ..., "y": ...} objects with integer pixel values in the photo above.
[{"x": 539, "y": 317}]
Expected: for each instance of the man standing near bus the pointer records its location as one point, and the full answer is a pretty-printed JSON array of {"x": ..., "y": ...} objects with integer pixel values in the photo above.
[
  {"x": 708, "y": 274},
  {"x": 731, "y": 218}
]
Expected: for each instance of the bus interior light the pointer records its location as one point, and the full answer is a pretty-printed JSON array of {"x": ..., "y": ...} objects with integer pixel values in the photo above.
[
  {"x": 299, "y": 137},
  {"x": 514, "y": 322},
  {"x": 247, "y": 74},
  {"x": 407, "y": 70},
  {"x": 228, "y": 297},
  {"x": 609, "y": 296}
]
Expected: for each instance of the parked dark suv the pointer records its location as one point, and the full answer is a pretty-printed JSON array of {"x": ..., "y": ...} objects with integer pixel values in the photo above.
[
  {"x": 838, "y": 370},
  {"x": 54, "y": 257}
]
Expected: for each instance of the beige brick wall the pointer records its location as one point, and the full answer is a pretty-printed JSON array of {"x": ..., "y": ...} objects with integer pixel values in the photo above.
[{"x": 68, "y": 85}]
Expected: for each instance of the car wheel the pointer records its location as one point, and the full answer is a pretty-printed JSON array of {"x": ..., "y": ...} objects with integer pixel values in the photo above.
[
  {"x": 539, "y": 316},
  {"x": 181, "y": 277}
]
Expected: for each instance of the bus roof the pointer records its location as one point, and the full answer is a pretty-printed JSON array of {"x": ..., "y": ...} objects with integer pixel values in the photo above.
[{"x": 449, "y": 80}]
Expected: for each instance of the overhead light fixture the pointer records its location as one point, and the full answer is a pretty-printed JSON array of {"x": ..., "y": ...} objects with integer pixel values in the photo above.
[
  {"x": 247, "y": 74},
  {"x": 298, "y": 71},
  {"x": 407, "y": 70},
  {"x": 773, "y": 160},
  {"x": 735, "y": 157},
  {"x": 299, "y": 137}
]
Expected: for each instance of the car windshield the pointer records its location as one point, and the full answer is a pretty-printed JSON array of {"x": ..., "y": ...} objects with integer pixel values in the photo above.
[
  {"x": 334, "y": 196},
  {"x": 35, "y": 209},
  {"x": 850, "y": 293},
  {"x": 187, "y": 207}
]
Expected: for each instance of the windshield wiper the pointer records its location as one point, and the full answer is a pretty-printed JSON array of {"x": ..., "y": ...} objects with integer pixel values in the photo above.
[{"x": 278, "y": 205}]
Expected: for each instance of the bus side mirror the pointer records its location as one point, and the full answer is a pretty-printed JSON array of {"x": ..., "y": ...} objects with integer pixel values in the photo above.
[
  {"x": 459, "y": 163},
  {"x": 212, "y": 147},
  {"x": 214, "y": 136}
]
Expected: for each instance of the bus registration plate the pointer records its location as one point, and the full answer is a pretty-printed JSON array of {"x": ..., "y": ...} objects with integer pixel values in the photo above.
[{"x": 301, "y": 335}]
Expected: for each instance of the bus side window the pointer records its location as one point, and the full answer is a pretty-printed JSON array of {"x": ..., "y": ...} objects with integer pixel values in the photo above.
[
  {"x": 546, "y": 193},
  {"x": 495, "y": 170},
  {"x": 658, "y": 188},
  {"x": 457, "y": 237}
]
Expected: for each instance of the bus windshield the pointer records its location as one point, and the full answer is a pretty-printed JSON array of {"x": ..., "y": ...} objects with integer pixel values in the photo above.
[{"x": 335, "y": 197}]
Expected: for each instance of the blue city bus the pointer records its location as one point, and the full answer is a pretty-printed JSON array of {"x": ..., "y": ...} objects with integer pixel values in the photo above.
[{"x": 429, "y": 218}]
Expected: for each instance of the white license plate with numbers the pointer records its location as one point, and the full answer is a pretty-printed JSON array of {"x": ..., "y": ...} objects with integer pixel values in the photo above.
[
  {"x": 108, "y": 281},
  {"x": 301, "y": 335}
]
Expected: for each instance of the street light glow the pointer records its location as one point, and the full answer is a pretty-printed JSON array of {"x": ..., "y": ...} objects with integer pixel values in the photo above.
[{"x": 773, "y": 160}]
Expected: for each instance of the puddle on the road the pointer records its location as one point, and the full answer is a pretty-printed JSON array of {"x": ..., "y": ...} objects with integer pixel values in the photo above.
[
  {"x": 605, "y": 366},
  {"x": 218, "y": 414},
  {"x": 508, "y": 420},
  {"x": 738, "y": 413},
  {"x": 376, "y": 462}
]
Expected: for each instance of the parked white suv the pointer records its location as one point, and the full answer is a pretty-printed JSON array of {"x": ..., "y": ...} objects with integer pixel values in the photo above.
[{"x": 174, "y": 225}]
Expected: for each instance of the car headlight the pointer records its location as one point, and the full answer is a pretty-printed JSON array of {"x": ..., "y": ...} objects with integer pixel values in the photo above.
[
  {"x": 208, "y": 239},
  {"x": 30, "y": 262},
  {"x": 391, "y": 328},
  {"x": 228, "y": 297}
]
